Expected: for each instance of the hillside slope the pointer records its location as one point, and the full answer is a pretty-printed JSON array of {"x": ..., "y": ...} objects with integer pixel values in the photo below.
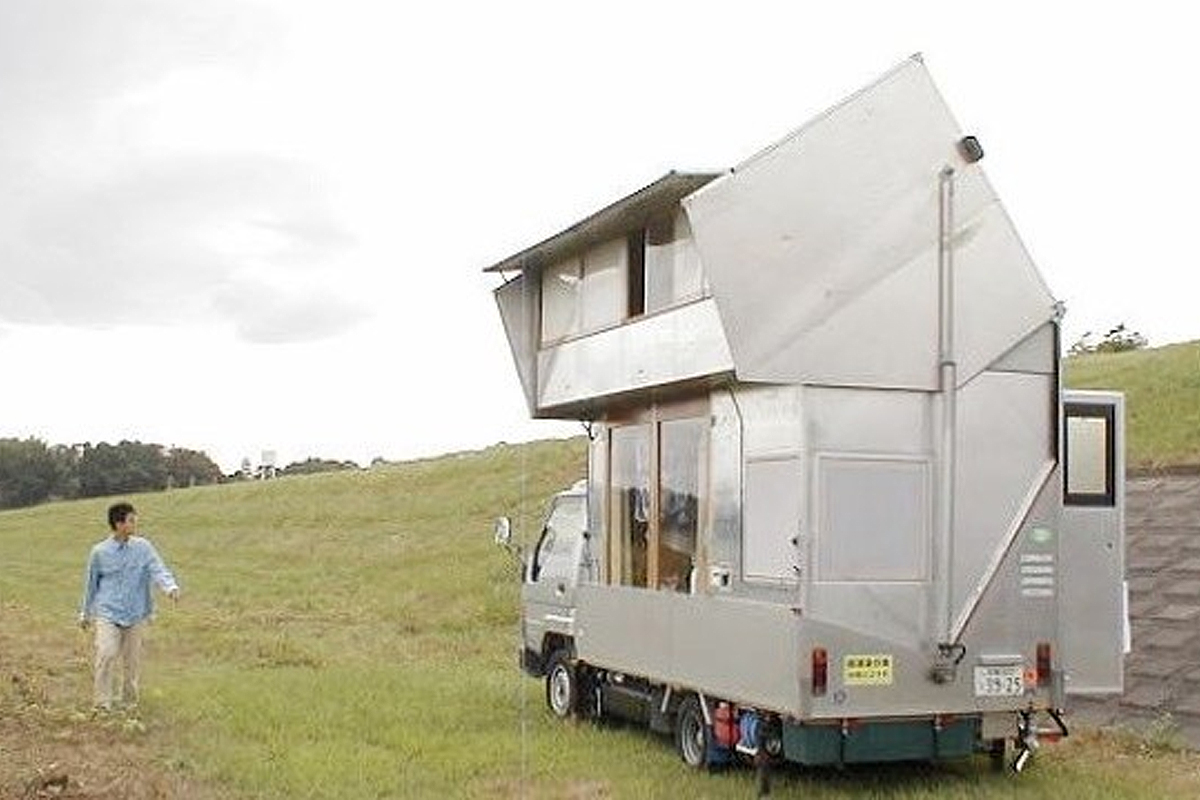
[
  {"x": 333, "y": 631},
  {"x": 1162, "y": 399},
  {"x": 353, "y": 635}
]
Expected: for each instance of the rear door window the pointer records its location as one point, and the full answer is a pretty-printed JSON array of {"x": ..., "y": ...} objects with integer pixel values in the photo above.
[{"x": 1089, "y": 478}]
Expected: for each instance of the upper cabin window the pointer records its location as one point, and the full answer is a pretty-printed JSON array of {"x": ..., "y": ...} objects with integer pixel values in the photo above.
[
  {"x": 673, "y": 273},
  {"x": 586, "y": 292},
  {"x": 1090, "y": 453},
  {"x": 562, "y": 290},
  {"x": 650, "y": 269}
]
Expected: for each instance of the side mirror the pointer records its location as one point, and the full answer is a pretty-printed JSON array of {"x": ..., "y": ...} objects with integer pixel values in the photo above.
[
  {"x": 503, "y": 535},
  {"x": 503, "y": 538}
]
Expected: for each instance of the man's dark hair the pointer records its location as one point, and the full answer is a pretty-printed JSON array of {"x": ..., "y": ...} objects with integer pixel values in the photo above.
[{"x": 117, "y": 513}]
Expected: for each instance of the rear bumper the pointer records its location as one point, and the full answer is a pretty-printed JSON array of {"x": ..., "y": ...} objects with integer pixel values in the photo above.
[{"x": 923, "y": 739}]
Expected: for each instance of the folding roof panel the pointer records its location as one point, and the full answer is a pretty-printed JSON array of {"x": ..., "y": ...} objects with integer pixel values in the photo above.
[{"x": 822, "y": 250}]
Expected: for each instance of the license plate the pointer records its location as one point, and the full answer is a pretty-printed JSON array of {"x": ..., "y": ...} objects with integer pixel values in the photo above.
[{"x": 1000, "y": 681}]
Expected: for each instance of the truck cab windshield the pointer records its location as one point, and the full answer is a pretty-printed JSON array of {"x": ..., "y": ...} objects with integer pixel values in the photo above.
[{"x": 556, "y": 553}]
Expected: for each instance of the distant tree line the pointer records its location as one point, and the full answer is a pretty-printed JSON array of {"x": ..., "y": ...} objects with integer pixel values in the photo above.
[
  {"x": 311, "y": 466},
  {"x": 308, "y": 466},
  {"x": 33, "y": 472},
  {"x": 1118, "y": 340}
]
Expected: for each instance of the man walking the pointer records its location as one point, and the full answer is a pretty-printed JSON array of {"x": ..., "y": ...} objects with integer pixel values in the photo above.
[{"x": 117, "y": 597}]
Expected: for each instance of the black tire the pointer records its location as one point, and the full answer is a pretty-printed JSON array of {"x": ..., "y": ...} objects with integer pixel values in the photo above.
[
  {"x": 998, "y": 751},
  {"x": 693, "y": 735},
  {"x": 562, "y": 685}
]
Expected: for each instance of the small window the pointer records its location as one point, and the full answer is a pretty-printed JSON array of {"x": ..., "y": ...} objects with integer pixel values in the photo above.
[
  {"x": 636, "y": 246},
  {"x": 586, "y": 293},
  {"x": 555, "y": 552},
  {"x": 562, "y": 289},
  {"x": 681, "y": 455},
  {"x": 672, "y": 263},
  {"x": 605, "y": 296},
  {"x": 1089, "y": 474},
  {"x": 883, "y": 540},
  {"x": 629, "y": 509}
]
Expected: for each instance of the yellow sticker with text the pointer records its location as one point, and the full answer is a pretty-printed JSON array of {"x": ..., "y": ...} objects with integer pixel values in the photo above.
[{"x": 867, "y": 670}]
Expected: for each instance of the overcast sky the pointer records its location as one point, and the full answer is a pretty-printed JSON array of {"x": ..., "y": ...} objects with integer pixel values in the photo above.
[{"x": 247, "y": 226}]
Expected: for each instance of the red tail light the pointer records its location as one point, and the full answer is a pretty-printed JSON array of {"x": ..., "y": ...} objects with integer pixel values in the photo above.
[
  {"x": 820, "y": 671},
  {"x": 1043, "y": 663}
]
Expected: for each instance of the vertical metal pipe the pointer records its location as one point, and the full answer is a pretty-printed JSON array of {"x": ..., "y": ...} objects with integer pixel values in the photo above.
[{"x": 948, "y": 381}]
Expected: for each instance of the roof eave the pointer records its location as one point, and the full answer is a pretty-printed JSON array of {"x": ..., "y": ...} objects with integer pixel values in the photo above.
[{"x": 626, "y": 214}]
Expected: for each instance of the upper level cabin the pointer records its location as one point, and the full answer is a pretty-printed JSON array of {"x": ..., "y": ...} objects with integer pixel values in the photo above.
[
  {"x": 617, "y": 304},
  {"x": 866, "y": 249}
]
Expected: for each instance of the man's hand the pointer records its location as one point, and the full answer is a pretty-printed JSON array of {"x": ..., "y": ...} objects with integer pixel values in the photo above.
[{"x": 173, "y": 593}]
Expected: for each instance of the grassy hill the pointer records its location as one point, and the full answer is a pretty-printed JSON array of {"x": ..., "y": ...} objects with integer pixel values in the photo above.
[
  {"x": 1162, "y": 396},
  {"x": 353, "y": 635},
  {"x": 340, "y": 635}
]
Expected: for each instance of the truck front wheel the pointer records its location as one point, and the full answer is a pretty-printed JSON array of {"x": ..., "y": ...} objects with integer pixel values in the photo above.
[
  {"x": 692, "y": 733},
  {"x": 562, "y": 685}
]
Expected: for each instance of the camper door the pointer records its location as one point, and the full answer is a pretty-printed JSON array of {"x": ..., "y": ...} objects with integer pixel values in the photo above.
[{"x": 1093, "y": 615}]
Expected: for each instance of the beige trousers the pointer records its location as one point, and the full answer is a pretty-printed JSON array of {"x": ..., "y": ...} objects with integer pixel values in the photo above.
[{"x": 117, "y": 645}]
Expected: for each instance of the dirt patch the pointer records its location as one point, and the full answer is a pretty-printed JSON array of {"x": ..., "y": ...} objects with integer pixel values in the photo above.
[
  {"x": 53, "y": 746},
  {"x": 570, "y": 790}
]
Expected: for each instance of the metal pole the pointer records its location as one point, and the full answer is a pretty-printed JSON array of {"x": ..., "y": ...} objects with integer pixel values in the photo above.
[{"x": 948, "y": 381}]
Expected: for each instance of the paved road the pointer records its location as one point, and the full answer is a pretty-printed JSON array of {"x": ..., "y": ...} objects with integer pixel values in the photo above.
[{"x": 1162, "y": 674}]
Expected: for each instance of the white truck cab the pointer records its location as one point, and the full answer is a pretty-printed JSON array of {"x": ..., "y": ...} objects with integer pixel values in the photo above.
[{"x": 551, "y": 573}]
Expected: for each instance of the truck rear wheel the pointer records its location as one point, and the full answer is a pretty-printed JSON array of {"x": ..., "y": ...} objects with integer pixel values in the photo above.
[
  {"x": 562, "y": 685},
  {"x": 692, "y": 733},
  {"x": 998, "y": 754}
]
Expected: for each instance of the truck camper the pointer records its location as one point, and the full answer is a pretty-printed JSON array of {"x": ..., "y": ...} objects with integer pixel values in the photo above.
[{"x": 839, "y": 507}]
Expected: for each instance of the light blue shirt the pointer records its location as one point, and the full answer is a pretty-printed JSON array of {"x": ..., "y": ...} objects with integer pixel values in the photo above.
[{"x": 117, "y": 584}]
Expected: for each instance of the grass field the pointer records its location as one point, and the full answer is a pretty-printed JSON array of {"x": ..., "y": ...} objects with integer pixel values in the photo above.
[
  {"x": 353, "y": 635},
  {"x": 1162, "y": 399}
]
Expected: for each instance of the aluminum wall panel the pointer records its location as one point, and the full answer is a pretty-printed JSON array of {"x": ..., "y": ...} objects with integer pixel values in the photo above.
[
  {"x": 676, "y": 345},
  {"x": 822, "y": 250},
  {"x": 892, "y": 612},
  {"x": 1000, "y": 298},
  {"x": 1005, "y": 452},
  {"x": 885, "y": 540},
  {"x": 518, "y": 307},
  {"x": 1037, "y": 353},
  {"x": 867, "y": 421},
  {"x": 702, "y": 642},
  {"x": 896, "y": 428},
  {"x": 1012, "y": 616}
]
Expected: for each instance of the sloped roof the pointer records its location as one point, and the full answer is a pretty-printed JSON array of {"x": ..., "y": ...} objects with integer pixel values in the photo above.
[{"x": 628, "y": 213}]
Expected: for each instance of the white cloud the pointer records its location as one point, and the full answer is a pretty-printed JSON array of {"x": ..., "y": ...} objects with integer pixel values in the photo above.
[{"x": 161, "y": 241}]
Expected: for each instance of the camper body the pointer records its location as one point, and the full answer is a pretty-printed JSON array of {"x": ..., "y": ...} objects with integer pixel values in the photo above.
[{"x": 838, "y": 506}]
